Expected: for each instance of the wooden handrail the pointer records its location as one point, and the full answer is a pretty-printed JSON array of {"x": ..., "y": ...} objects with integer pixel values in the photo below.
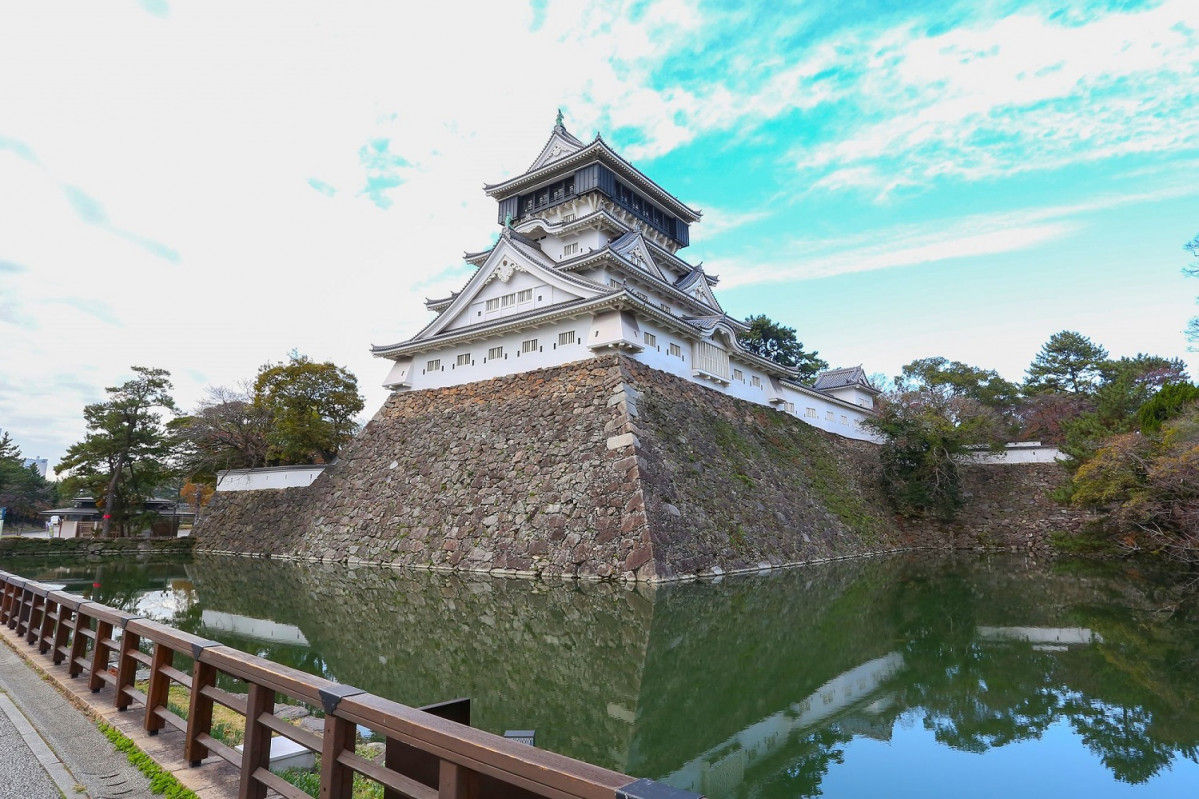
[{"x": 470, "y": 763}]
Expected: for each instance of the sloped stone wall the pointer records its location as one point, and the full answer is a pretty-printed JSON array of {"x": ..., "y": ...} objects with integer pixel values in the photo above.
[
  {"x": 533, "y": 473},
  {"x": 607, "y": 469}
]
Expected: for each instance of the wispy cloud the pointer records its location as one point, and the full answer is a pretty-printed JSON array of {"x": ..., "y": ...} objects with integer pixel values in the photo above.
[
  {"x": 908, "y": 101},
  {"x": 976, "y": 235}
]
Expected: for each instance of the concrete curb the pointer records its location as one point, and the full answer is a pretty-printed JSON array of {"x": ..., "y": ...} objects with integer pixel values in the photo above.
[{"x": 48, "y": 760}]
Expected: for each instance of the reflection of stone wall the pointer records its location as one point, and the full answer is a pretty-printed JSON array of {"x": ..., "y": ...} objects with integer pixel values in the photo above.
[
  {"x": 723, "y": 657},
  {"x": 605, "y": 469},
  {"x": 562, "y": 659}
]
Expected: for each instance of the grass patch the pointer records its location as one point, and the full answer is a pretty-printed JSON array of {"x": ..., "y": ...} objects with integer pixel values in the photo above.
[
  {"x": 162, "y": 783},
  {"x": 310, "y": 781},
  {"x": 228, "y": 726}
]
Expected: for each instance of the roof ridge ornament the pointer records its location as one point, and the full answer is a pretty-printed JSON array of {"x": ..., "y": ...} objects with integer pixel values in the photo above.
[{"x": 558, "y": 121}]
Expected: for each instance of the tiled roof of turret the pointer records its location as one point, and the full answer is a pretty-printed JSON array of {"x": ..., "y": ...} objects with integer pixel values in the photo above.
[{"x": 840, "y": 378}]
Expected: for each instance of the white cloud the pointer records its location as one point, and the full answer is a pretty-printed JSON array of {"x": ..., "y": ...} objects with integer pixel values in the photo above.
[
  {"x": 806, "y": 258},
  {"x": 1016, "y": 94}
]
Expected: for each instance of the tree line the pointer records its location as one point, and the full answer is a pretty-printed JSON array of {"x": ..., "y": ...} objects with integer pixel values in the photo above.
[
  {"x": 1128, "y": 427},
  {"x": 23, "y": 490},
  {"x": 138, "y": 443}
]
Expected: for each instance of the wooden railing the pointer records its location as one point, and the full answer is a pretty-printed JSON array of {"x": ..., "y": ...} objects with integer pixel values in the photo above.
[{"x": 426, "y": 757}]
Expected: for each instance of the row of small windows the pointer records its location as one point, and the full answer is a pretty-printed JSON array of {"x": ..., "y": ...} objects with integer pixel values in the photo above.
[
  {"x": 555, "y": 192},
  {"x": 532, "y": 345},
  {"x": 509, "y": 300},
  {"x": 527, "y": 346},
  {"x": 643, "y": 208},
  {"x": 812, "y": 413}
]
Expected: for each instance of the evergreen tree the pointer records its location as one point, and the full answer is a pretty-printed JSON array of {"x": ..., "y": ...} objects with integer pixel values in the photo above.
[
  {"x": 1069, "y": 363},
  {"x": 23, "y": 490},
  {"x": 1192, "y": 247},
  {"x": 127, "y": 452},
  {"x": 779, "y": 343}
]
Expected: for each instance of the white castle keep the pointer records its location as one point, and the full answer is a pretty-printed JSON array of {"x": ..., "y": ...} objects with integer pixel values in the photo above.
[{"x": 587, "y": 264}]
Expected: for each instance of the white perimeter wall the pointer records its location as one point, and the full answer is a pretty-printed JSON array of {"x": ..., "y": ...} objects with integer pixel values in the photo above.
[
  {"x": 1020, "y": 453},
  {"x": 270, "y": 477},
  {"x": 817, "y": 410}
]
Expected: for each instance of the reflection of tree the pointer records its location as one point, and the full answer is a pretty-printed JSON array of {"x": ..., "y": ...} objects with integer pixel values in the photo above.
[
  {"x": 1121, "y": 737},
  {"x": 975, "y": 697},
  {"x": 649, "y": 684},
  {"x": 814, "y": 753}
]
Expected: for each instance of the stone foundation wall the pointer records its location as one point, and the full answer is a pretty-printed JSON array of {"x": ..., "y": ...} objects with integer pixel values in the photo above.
[
  {"x": 17, "y": 546},
  {"x": 605, "y": 469}
]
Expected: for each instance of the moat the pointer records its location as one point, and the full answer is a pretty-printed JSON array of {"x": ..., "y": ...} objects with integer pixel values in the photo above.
[{"x": 929, "y": 676}]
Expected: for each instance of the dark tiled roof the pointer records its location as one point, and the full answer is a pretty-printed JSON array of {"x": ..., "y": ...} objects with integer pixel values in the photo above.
[{"x": 840, "y": 378}]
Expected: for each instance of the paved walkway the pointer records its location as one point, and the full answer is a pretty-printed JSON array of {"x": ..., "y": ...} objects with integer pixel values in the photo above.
[
  {"x": 80, "y": 746},
  {"x": 48, "y": 748}
]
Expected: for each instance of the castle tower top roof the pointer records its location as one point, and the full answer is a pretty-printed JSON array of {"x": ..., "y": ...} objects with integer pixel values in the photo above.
[{"x": 565, "y": 154}]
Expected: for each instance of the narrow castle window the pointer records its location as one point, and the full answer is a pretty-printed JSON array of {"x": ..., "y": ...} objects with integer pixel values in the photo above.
[
  {"x": 571, "y": 249},
  {"x": 493, "y": 305},
  {"x": 464, "y": 359},
  {"x": 433, "y": 365},
  {"x": 566, "y": 338},
  {"x": 756, "y": 381},
  {"x": 528, "y": 345},
  {"x": 676, "y": 350},
  {"x": 495, "y": 352},
  {"x": 650, "y": 339}
]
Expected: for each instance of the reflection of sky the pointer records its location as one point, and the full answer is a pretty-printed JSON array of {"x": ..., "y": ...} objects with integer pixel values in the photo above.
[
  {"x": 1058, "y": 765},
  {"x": 163, "y": 605}
]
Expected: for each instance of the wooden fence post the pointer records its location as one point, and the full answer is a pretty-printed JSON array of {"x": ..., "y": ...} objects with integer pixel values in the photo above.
[
  {"x": 126, "y": 670},
  {"x": 100, "y": 653},
  {"x": 456, "y": 782},
  {"x": 159, "y": 691},
  {"x": 78, "y": 640},
  {"x": 37, "y": 611},
  {"x": 256, "y": 748},
  {"x": 199, "y": 711},
  {"x": 51, "y": 612},
  {"x": 66, "y": 616},
  {"x": 337, "y": 781}
]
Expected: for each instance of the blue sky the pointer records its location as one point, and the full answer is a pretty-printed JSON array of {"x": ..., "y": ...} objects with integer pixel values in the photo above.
[{"x": 204, "y": 187}]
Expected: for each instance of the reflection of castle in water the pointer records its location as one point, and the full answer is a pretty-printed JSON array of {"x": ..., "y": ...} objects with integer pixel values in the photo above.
[
  {"x": 215, "y": 622},
  {"x": 721, "y": 769},
  {"x": 731, "y": 689},
  {"x": 857, "y": 700}
]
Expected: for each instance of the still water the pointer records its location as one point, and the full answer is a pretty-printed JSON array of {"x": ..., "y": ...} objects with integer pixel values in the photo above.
[{"x": 906, "y": 676}]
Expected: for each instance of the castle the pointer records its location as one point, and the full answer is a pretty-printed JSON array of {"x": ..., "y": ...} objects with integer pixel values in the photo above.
[{"x": 587, "y": 264}]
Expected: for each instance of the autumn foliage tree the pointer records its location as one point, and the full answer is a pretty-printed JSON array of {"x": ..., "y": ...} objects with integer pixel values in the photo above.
[
  {"x": 927, "y": 433},
  {"x": 1149, "y": 485},
  {"x": 295, "y": 412}
]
